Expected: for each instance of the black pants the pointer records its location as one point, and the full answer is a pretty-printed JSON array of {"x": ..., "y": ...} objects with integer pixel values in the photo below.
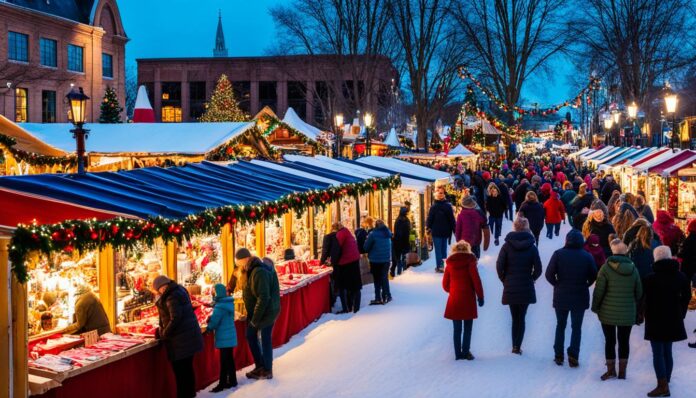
[
  {"x": 610, "y": 335},
  {"x": 518, "y": 312},
  {"x": 185, "y": 378},
  {"x": 352, "y": 300},
  {"x": 228, "y": 371}
]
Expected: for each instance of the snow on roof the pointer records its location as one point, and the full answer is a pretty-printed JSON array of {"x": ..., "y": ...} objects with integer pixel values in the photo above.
[
  {"x": 27, "y": 141},
  {"x": 392, "y": 139},
  {"x": 294, "y": 121},
  {"x": 169, "y": 138},
  {"x": 460, "y": 150},
  {"x": 401, "y": 166},
  {"x": 299, "y": 173},
  {"x": 141, "y": 100}
]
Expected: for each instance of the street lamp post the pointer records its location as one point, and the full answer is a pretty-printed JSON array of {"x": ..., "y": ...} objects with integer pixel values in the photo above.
[
  {"x": 632, "y": 113},
  {"x": 671, "y": 105},
  {"x": 617, "y": 117},
  {"x": 367, "y": 118},
  {"x": 339, "y": 134},
  {"x": 608, "y": 122},
  {"x": 77, "y": 101}
]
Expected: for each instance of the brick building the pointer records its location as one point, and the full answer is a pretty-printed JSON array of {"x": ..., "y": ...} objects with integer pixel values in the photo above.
[
  {"x": 46, "y": 47},
  {"x": 179, "y": 87}
]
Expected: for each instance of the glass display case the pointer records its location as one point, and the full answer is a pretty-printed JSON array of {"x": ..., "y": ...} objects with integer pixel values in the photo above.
[{"x": 53, "y": 287}]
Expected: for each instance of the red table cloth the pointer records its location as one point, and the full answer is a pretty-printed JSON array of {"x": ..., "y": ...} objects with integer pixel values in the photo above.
[{"x": 148, "y": 373}]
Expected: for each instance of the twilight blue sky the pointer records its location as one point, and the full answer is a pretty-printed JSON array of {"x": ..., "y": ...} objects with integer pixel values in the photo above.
[{"x": 186, "y": 28}]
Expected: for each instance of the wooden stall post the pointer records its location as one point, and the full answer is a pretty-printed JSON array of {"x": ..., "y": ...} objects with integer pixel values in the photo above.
[
  {"x": 358, "y": 216},
  {"x": 5, "y": 318},
  {"x": 169, "y": 260},
  {"x": 106, "y": 283},
  {"x": 389, "y": 209},
  {"x": 261, "y": 239},
  {"x": 19, "y": 366},
  {"x": 421, "y": 204},
  {"x": 227, "y": 252},
  {"x": 312, "y": 241},
  {"x": 287, "y": 228}
]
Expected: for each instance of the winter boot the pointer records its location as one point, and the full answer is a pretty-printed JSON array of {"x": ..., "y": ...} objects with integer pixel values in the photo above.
[
  {"x": 623, "y": 363},
  {"x": 376, "y": 302},
  {"x": 265, "y": 375},
  {"x": 468, "y": 356},
  {"x": 692, "y": 345},
  {"x": 611, "y": 370},
  {"x": 662, "y": 389},
  {"x": 254, "y": 374},
  {"x": 517, "y": 350},
  {"x": 573, "y": 362},
  {"x": 558, "y": 360},
  {"x": 218, "y": 388}
]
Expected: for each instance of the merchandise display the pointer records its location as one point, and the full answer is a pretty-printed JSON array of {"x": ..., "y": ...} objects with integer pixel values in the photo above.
[
  {"x": 275, "y": 238},
  {"x": 348, "y": 216},
  {"x": 299, "y": 239},
  {"x": 135, "y": 272},
  {"x": 321, "y": 216},
  {"x": 245, "y": 236},
  {"x": 199, "y": 264}
]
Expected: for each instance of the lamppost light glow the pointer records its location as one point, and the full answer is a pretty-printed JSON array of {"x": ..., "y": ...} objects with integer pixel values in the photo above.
[
  {"x": 368, "y": 119},
  {"x": 671, "y": 103},
  {"x": 77, "y": 101},
  {"x": 632, "y": 110},
  {"x": 608, "y": 122},
  {"x": 339, "y": 120},
  {"x": 616, "y": 116}
]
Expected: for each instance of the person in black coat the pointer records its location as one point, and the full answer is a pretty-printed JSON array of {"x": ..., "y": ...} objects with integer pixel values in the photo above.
[
  {"x": 361, "y": 233},
  {"x": 667, "y": 296},
  {"x": 609, "y": 187},
  {"x": 179, "y": 331},
  {"x": 533, "y": 211},
  {"x": 518, "y": 266},
  {"x": 441, "y": 224},
  {"x": 496, "y": 205},
  {"x": 571, "y": 271},
  {"x": 687, "y": 252},
  {"x": 331, "y": 252},
  {"x": 401, "y": 241},
  {"x": 520, "y": 193}
]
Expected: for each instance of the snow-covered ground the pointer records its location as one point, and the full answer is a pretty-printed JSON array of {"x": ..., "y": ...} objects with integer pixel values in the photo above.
[{"x": 404, "y": 349}]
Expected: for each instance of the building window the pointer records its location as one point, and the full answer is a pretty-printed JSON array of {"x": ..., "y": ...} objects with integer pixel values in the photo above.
[
  {"x": 321, "y": 99},
  {"x": 75, "y": 58},
  {"x": 48, "y": 106},
  {"x": 18, "y": 47},
  {"x": 21, "y": 103},
  {"x": 49, "y": 52},
  {"x": 197, "y": 99},
  {"x": 107, "y": 65},
  {"x": 171, "y": 102},
  {"x": 268, "y": 95},
  {"x": 297, "y": 98},
  {"x": 242, "y": 92}
]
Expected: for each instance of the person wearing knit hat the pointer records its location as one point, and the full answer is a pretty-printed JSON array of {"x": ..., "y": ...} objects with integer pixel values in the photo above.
[
  {"x": 472, "y": 227},
  {"x": 667, "y": 296},
  {"x": 614, "y": 300},
  {"x": 597, "y": 223},
  {"x": 441, "y": 225}
]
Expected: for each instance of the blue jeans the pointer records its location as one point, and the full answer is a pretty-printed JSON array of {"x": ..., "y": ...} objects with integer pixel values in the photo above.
[
  {"x": 440, "y": 245},
  {"x": 462, "y": 342},
  {"x": 551, "y": 229},
  {"x": 576, "y": 317},
  {"x": 380, "y": 272},
  {"x": 509, "y": 212},
  {"x": 263, "y": 353},
  {"x": 662, "y": 359},
  {"x": 496, "y": 225}
]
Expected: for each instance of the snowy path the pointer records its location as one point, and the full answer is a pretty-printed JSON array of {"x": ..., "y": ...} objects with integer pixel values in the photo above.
[{"x": 404, "y": 349}]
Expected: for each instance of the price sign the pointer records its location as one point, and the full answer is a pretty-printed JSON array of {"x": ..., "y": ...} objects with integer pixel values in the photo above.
[{"x": 90, "y": 337}]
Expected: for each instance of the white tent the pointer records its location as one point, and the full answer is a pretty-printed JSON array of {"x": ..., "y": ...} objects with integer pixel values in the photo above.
[
  {"x": 155, "y": 138},
  {"x": 459, "y": 150},
  {"x": 293, "y": 120},
  {"x": 392, "y": 139},
  {"x": 401, "y": 166}
]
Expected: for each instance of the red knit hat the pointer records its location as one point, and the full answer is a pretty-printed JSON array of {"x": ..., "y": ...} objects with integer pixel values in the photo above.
[{"x": 486, "y": 175}]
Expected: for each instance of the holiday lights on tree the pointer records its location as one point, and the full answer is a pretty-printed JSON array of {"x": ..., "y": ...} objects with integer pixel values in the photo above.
[
  {"x": 223, "y": 106},
  {"x": 110, "y": 109}
]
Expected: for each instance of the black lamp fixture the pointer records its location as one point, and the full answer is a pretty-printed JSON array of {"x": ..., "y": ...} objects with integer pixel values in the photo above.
[{"x": 77, "y": 113}]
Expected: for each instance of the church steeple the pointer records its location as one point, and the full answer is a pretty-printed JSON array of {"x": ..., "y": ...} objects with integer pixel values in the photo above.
[{"x": 220, "y": 49}]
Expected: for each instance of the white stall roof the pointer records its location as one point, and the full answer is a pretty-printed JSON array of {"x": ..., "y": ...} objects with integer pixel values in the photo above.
[
  {"x": 597, "y": 153},
  {"x": 401, "y": 166},
  {"x": 293, "y": 120},
  {"x": 392, "y": 139},
  {"x": 156, "y": 138},
  {"x": 460, "y": 150},
  {"x": 663, "y": 157},
  {"x": 299, "y": 173}
]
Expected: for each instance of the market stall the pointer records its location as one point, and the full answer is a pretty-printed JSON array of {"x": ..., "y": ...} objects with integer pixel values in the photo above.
[
  {"x": 184, "y": 222},
  {"x": 632, "y": 173},
  {"x": 663, "y": 184},
  {"x": 686, "y": 197}
]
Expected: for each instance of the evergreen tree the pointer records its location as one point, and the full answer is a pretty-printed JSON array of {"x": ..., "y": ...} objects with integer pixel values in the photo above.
[
  {"x": 110, "y": 109},
  {"x": 470, "y": 105},
  {"x": 223, "y": 107}
]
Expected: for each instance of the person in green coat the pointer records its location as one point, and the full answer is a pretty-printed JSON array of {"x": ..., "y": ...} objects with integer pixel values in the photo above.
[
  {"x": 261, "y": 296},
  {"x": 222, "y": 323},
  {"x": 616, "y": 294},
  {"x": 89, "y": 313}
]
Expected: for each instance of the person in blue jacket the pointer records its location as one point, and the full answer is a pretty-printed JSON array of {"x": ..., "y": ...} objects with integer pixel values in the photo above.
[
  {"x": 222, "y": 323},
  {"x": 571, "y": 271},
  {"x": 378, "y": 247}
]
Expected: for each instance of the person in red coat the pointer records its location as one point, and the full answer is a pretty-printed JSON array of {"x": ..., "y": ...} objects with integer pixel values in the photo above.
[
  {"x": 670, "y": 234},
  {"x": 462, "y": 282},
  {"x": 554, "y": 213}
]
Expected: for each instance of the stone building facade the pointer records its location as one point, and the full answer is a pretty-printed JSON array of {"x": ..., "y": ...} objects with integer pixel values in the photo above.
[{"x": 48, "y": 47}]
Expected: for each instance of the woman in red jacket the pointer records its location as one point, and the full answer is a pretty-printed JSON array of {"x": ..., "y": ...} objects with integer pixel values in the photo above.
[
  {"x": 555, "y": 213},
  {"x": 462, "y": 282}
]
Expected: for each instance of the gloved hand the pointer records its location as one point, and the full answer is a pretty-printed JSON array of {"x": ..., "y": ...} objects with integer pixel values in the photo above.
[{"x": 480, "y": 302}]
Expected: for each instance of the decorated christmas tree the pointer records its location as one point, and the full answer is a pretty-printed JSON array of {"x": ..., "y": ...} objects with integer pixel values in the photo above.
[
  {"x": 110, "y": 109},
  {"x": 223, "y": 107},
  {"x": 470, "y": 106}
]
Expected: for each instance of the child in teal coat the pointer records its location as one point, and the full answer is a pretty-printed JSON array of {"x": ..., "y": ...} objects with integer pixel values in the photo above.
[{"x": 222, "y": 323}]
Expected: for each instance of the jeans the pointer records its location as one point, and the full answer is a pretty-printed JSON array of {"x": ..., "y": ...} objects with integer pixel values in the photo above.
[
  {"x": 380, "y": 273},
  {"x": 184, "y": 377},
  {"x": 509, "y": 212},
  {"x": 228, "y": 370},
  {"x": 462, "y": 342},
  {"x": 576, "y": 317},
  {"x": 570, "y": 219},
  {"x": 518, "y": 312},
  {"x": 496, "y": 225},
  {"x": 476, "y": 250},
  {"x": 398, "y": 261},
  {"x": 440, "y": 245},
  {"x": 610, "y": 336},
  {"x": 263, "y": 353},
  {"x": 551, "y": 229},
  {"x": 662, "y": 359}
]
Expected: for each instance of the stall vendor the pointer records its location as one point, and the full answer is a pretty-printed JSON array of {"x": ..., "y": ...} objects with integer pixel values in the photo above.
[{"x": 89, "y": 313}]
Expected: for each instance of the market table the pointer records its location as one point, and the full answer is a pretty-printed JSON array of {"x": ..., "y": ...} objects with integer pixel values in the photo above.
[{"x": 147, "y": 373}]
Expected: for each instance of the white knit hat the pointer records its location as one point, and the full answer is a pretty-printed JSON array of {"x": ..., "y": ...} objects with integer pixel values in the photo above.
[{"x": 662, "y": 253}]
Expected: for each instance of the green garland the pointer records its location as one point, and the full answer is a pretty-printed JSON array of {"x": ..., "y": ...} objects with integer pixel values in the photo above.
[
  {"x": 35, "y": 159},
  {"x": 230, "y": 150},
  {"x": 85, "y": 235},
  {"x": 274, "y": 123}
]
